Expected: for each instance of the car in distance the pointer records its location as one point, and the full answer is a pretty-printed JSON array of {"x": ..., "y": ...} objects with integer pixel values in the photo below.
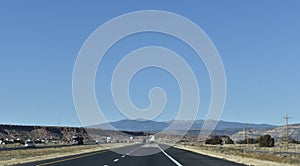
[
  {"x": 77, "y": 139},
  {"x": 29, "y": 144}
]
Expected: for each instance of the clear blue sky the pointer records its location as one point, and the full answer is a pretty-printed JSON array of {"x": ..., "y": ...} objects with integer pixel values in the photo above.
[{"x": 258, "y": 41}]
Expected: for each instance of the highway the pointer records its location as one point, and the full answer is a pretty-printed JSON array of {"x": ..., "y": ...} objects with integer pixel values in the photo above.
[{"x": 130, "y": 155}]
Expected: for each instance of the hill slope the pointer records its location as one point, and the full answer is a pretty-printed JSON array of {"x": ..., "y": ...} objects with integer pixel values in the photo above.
[{"x": 278, "y": 133}]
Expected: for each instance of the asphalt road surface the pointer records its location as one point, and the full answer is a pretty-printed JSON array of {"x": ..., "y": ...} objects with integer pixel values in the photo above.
[{"x": 129, "y": 156}]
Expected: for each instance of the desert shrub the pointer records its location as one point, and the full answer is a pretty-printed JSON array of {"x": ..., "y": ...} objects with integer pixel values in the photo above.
[
  {"x": 248, "y": 141},
  {"x": 295, "y": 141},
  {"x": 19, "y": 141},
  {"x": 266, "y": 141},
  {"x": 8, "y": 141},
  {"x": 252, "y": 141},
  {"x": 214, "y": 141},
  {"x": 240, "y": 141},
  {"x": 229, "y": 141},
  {"x": 38, "y": 141}
]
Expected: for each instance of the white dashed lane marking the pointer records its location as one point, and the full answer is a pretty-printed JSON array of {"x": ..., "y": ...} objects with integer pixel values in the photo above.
[{"x": 172, "y": 159}]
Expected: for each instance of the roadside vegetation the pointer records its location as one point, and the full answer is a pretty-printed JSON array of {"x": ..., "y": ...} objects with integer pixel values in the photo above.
[
  {"x": 266, "y": 141},
  {"x": 263, "y": 148}
]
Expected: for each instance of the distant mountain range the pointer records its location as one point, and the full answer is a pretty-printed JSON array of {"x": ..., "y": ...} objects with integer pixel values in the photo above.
[
  {"x": 234, "y": 129},
  {"x": 149, "y": 125}
]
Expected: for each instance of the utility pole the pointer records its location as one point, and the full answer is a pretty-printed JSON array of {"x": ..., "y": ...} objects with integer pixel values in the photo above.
[
  {"x": 287, "y": 130},
  {"x": 246, "y": 133}
]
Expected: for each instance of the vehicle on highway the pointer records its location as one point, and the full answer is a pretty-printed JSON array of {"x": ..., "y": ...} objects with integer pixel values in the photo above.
[
  {"x": 151, "y": 139},
  {"x": 29, "y": 144},
  {"x": 77, "y": 139}
]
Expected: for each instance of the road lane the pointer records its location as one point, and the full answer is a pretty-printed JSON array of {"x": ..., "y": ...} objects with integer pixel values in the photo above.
[
  {"x": 140, "y": 156},
  {"x": 191, "y": 158},
  {"x": 102, "y": 157},
  {"x": 131, "y": 156}
]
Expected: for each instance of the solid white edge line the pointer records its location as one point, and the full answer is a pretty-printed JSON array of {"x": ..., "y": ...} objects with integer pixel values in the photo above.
[{"x": 171, "y": 158}]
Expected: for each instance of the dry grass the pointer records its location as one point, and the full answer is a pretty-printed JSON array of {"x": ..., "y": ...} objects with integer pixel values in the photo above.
[
  {"x": 248, "y": 154},
  {"x": 29, "y": 155}
]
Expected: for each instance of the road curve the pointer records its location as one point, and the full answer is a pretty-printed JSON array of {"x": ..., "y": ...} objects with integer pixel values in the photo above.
[{"x": 170, "y": 156}]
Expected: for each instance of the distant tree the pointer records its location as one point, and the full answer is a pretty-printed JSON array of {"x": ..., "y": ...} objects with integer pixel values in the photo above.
[
  {"x": 295, "y": 141},
  {"x": 248, "y": 141},
  {"x": 19, "y": 141},
  {"x": 214, "y": 141},
  {"x": 266, "y": 141},
  {"x": 251, "y": 141},
  {"x": 229, "y": 141},
  {"x": 38, "y": 141}
]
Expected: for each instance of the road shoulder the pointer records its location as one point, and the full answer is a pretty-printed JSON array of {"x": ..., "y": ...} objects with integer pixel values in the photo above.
[{"x": 233, "y": 158}]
